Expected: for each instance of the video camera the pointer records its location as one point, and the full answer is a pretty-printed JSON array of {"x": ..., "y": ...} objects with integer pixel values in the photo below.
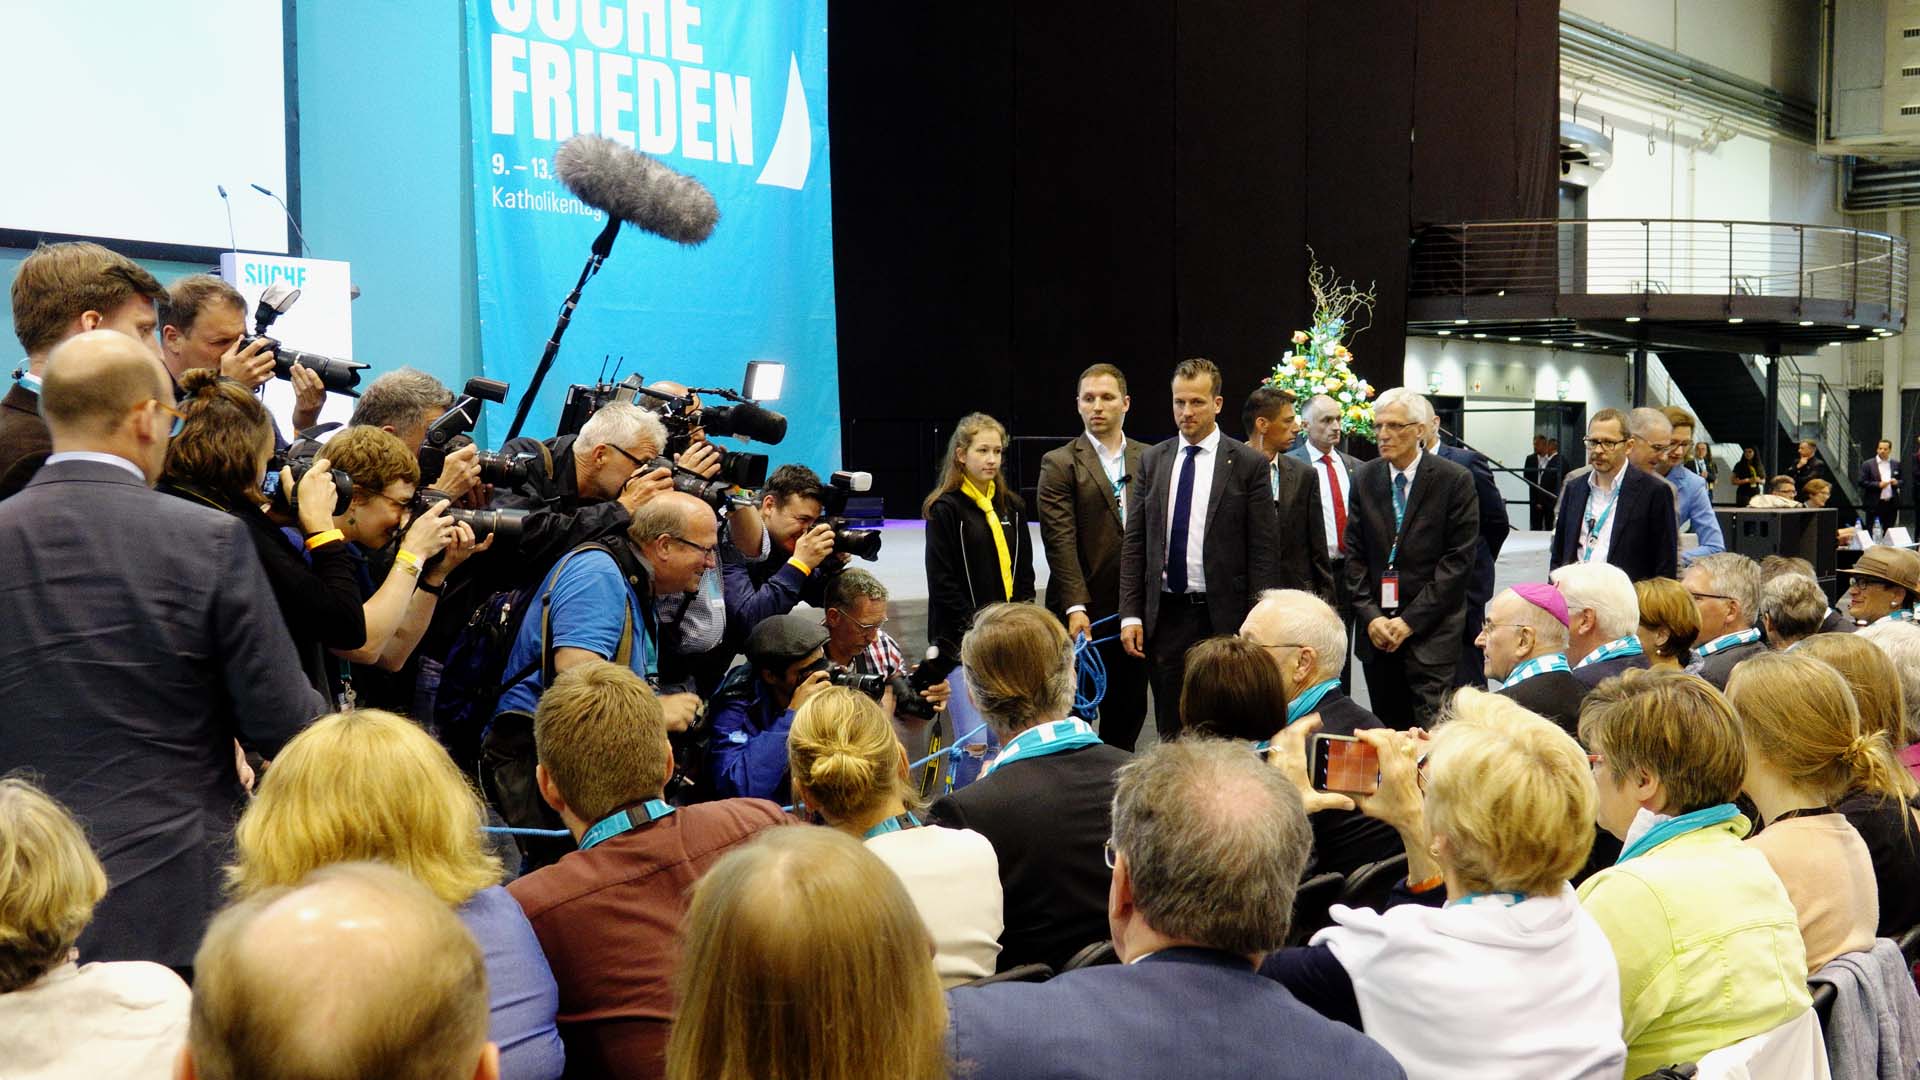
[
  {"x": 340, "y": 376},
  {"x": 452, "y": 432},
  {"x": 743, "y": 419},
  {"x": 300, "y": 457},
  {"x": 833, "y": 508}
]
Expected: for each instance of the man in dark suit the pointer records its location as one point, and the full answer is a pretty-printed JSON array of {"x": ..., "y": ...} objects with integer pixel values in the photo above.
[
  {"x": 1493, "y": 536},
  {"x": 1524, "y": 637},
  {"x": 1269, "y": 420},
  {"x": 58, "y": 291},
  {"x": 1197, "y": 898},
  {"x": 1333, "y": 473},
  {"x": 1082, "y": 510},
  {"x": 142, "y": 642},
  {"x": 1043, "y": 802},
  {"x": 1411, "y": 536},
  {"x": 1304, "y": 637},
  {"x": 1544, "y": 470},
  {"x": 1201, "y": 539},
  {"x": 1603, "y": 620},
  {"x": 1880, "y": 487},
  {"x": 1616, "y": 513}
]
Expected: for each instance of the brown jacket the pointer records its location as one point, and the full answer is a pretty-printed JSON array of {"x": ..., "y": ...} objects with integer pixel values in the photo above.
[{"x": 24, "y": 442}]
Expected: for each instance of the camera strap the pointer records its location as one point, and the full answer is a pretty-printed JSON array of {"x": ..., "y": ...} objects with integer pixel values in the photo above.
[{"x": 622, "y": 653}]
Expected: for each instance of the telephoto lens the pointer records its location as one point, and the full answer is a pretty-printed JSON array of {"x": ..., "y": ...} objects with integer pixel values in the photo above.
[
  {"x": 864, "y": 543},
  {"x": 871, "y": 685},
  {"x": 339, "y": 376},
  {"x": 506, "y": 524},
  {"x": 503, "y": 471}
]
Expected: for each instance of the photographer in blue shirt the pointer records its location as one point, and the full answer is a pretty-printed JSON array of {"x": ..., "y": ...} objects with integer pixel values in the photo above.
[{"x": 752, "y": 713}]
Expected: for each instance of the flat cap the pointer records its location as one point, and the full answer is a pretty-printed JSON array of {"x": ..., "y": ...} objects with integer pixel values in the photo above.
[{"x": 780, "y": 640}]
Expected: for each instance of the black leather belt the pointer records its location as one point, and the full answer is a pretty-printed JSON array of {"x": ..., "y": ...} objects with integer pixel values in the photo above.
[{"x": 1195, "y": 598}]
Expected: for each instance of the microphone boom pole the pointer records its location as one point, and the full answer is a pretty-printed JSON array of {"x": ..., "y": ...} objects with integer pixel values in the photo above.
[{"x": 602, "y": 247}]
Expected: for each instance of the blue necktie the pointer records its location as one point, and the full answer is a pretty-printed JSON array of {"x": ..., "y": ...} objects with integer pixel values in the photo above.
[{"x": 1182, "y": 513}]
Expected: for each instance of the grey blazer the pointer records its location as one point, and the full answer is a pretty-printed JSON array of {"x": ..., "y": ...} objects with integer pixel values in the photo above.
[
  {"x": 1240, "y": 545},
  {"x": 142, "y": 639}
]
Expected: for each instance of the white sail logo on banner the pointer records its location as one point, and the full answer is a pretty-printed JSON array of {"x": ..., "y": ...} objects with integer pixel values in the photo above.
[{"x": 792, "y": 153}]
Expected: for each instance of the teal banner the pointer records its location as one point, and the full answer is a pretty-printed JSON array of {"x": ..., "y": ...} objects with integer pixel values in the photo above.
[{"x": 732, "y": 93}]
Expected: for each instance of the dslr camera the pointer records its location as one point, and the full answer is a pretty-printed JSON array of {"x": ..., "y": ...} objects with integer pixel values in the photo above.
[
  {"x": 453, "y": 431},
  {"x": 299, "y": 457},
  {"x": 871, "y": 685},
  {"x": 508, "y": 525},
  {"x": 340, "y": 376},
  {"x": 833, "y": 510}
]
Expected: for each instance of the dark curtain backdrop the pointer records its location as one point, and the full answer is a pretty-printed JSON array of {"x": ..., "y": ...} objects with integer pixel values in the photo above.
[{"x": 1023, "y": 189}]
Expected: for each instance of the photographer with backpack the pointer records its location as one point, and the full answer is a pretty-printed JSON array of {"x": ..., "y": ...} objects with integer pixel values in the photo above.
[{"x": 600, "y": 602}]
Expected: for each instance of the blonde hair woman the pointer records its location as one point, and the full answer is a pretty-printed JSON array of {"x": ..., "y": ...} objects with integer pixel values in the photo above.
[
  {"x": 369, "y": 786},
  {"x": 60, "y": 1018},
  {"x": 1707, "y": 941},
  {"x": 1669, "y": 623},
  {"x": 1803, "y": 743},
  {"x": 1882, "y": 806},
  {"x": 978, "y": 548},
  {"x": 848, "y": 765},
  {"x": 1506, "y": 819},
  {"x": 804, "y": 959}
]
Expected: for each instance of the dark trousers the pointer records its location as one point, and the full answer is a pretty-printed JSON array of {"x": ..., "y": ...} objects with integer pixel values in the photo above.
[
  {"x": 1540, "y": 516},
  {"x": 1124, "y": 708},
  {"x": 1405, "y": 691},
  {"x": 1343, "y": 605},
  {"x": 1182, "y": 623},
  {"x": 1877, "y": 511}
]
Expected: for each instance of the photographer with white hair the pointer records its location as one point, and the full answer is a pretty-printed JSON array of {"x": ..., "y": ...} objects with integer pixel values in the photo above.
[
  {"x": 1603, "y": 615},
  {"x": 588, "y": 485}
]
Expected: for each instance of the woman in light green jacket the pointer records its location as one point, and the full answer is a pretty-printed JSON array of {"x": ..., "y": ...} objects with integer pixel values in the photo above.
[{"x": 1707, "y": 941}]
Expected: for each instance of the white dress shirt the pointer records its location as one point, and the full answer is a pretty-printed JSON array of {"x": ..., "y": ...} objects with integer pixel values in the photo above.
[
  {"x": 1886, "y": 474},
  {"x": 1317, "y": 458},
  {"x": 1203, "y": 464},
  {"x": 1600, "y": 500},
  {"x": 99, "y": 458}
]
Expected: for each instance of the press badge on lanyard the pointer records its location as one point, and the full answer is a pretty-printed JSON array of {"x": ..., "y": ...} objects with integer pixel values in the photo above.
[{"x": 1389, "y": 589}]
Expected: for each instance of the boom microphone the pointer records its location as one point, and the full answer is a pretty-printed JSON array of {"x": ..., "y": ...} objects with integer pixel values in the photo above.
[
  {"x": 628, "y": 185},
  {"x": 630, "y": 188}
]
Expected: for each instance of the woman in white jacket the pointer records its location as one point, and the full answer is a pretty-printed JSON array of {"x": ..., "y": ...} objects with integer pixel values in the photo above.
[{"x": 1483, "y": 962}]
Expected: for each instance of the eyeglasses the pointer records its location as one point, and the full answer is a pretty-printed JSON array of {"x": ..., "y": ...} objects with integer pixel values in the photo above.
[
  {"x": 1604, "y": 444},
  {"x": 179, "y": 421},
  {"x": 405, "y": 506},
  {"x": 864, "y": 626},
  {"x": 1594, "y": 761},
  {"x": 1288, "y": 645},
  {"x": 706, "y": 552},
  {"x": 1390, "y": 428},
  {"x": 1658, "y": 447},
  {"x": 1487, "y": 626},
  {"x": 1699, "y": 596},
  {"x": 636, "y": 461},
  {"x": 1112, "y": 853}
]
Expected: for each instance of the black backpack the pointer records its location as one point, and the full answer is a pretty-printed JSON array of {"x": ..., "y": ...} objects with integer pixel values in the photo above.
[{"x": 474, "y": 675}]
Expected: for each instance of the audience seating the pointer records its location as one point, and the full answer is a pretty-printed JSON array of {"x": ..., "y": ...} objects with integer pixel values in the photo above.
[
  {"x": 1369, "y": 885},
  {"x": 1824, "y": 995},
  {"x": 1094, "y": 955},
  {"x": 1024, "y": 973},
  {"x": 1310, "y": 906}
]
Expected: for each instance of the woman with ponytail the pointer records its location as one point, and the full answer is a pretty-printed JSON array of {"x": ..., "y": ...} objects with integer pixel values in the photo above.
[
  {"x": 1882, "y": 803},
  {"x": 1804, "y": 748},
  {"x": 219, "y": 460},
  {"x": 978, "y": 548},
  {"x": 849, "y": 767}
]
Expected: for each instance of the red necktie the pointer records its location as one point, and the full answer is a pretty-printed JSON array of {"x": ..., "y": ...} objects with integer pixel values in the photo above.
[{"x": 1339, "y": 505}]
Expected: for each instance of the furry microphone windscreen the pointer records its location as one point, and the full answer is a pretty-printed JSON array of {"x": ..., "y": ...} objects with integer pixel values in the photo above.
[{"x": 629, "y": 185}]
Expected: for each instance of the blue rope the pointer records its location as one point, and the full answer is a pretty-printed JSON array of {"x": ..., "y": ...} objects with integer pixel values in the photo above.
[
  {"x": 502, "y": 830},
  {"x": 1092, "y": 671},
  {"x": 957, "y": 751}
]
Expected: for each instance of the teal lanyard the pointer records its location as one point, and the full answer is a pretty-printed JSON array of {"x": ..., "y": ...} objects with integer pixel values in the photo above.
[
  {"x": 1503, "y": 899},
  {"x": 1057, "y": 737},
  {"x": 1309, "y": 699},
  {"x": 1539, "y": 665},
  {"x": 1673, "y": 827},
  {"x": 1614, "y": 650},
  {"x": 897, "y": 823},
  {"x": 1596, "y": 524},
  {"x": 622, "y": 821},
  {"x": 1728, "y": 641},
  {"x": 1399, "y": 516},
  {"x": 28, "y": 381}
]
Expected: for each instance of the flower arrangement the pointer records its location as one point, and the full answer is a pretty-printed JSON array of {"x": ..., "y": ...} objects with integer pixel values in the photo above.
[{"x": 1319, "y": 362}]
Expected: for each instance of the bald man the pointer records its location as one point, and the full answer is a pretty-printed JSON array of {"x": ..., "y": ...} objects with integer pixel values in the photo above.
[
  {"x": 359, "y": 971},
  {"x": 142, "y": 640}
]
